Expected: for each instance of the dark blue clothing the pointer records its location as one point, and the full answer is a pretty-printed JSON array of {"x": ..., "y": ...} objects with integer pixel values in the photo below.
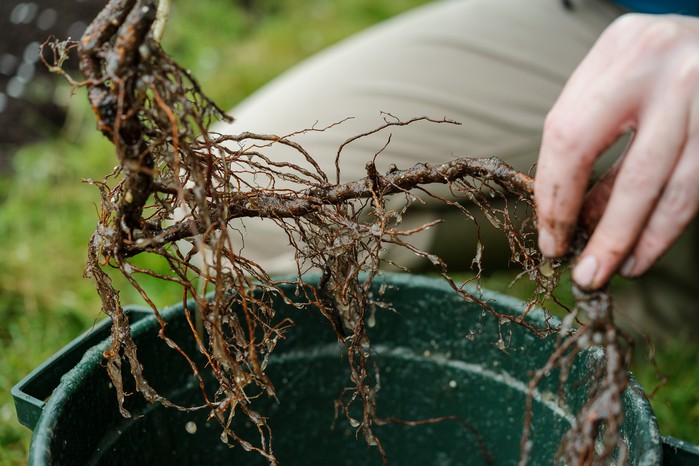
[{"x": 683, "y": 7}]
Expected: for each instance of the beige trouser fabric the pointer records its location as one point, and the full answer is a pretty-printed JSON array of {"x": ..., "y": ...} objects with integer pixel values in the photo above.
[{"x": 495, "y": 66}]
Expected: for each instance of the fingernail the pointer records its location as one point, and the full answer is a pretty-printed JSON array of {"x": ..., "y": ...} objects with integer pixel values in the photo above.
[
  {"x": 627, "y": 269},
  {"x": 584, "y": 272},
  {"x": 547, "y": 244}
]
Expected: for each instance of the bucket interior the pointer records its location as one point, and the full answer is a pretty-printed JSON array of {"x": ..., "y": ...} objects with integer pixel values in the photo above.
[{"x": 436, "y": 356}]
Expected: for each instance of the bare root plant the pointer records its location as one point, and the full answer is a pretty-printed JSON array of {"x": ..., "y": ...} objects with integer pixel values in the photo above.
[{"x": 178, "y": 186}]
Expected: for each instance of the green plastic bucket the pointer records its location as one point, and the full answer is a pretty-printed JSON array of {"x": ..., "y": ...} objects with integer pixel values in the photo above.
[{"x": 436, "y": 355}]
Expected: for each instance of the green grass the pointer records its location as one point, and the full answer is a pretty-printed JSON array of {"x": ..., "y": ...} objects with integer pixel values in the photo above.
[{"x": 47, "y": 213}]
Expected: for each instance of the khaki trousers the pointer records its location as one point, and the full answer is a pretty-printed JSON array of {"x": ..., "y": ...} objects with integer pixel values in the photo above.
[{"x": 495, "y": 66}]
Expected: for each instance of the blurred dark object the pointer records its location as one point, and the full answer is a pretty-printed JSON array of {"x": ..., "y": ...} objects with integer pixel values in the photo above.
[{"x": 30, "y": 107}]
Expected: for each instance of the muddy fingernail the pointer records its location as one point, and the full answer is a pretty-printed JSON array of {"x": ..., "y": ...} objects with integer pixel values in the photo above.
[{"x": 584, "y": 272}]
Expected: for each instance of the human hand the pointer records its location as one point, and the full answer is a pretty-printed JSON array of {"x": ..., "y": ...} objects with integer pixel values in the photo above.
[{"x": 641, "y": 75}]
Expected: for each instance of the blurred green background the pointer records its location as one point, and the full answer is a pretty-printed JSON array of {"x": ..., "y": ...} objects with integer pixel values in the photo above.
[{"x": 47, "y": 213}]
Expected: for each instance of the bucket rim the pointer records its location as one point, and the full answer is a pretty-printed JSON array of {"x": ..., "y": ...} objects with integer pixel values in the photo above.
[{"x": 40, "y": 454}]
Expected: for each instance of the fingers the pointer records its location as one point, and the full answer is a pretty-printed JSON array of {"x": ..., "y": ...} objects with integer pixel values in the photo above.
[
  {"x": 637, "y": 191},
  {"x": 571, "y": 143},
  {"x": 678, "y": 204},
  {"x": 642, "y": 74},
  {"x": 597, "y": 105}
]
